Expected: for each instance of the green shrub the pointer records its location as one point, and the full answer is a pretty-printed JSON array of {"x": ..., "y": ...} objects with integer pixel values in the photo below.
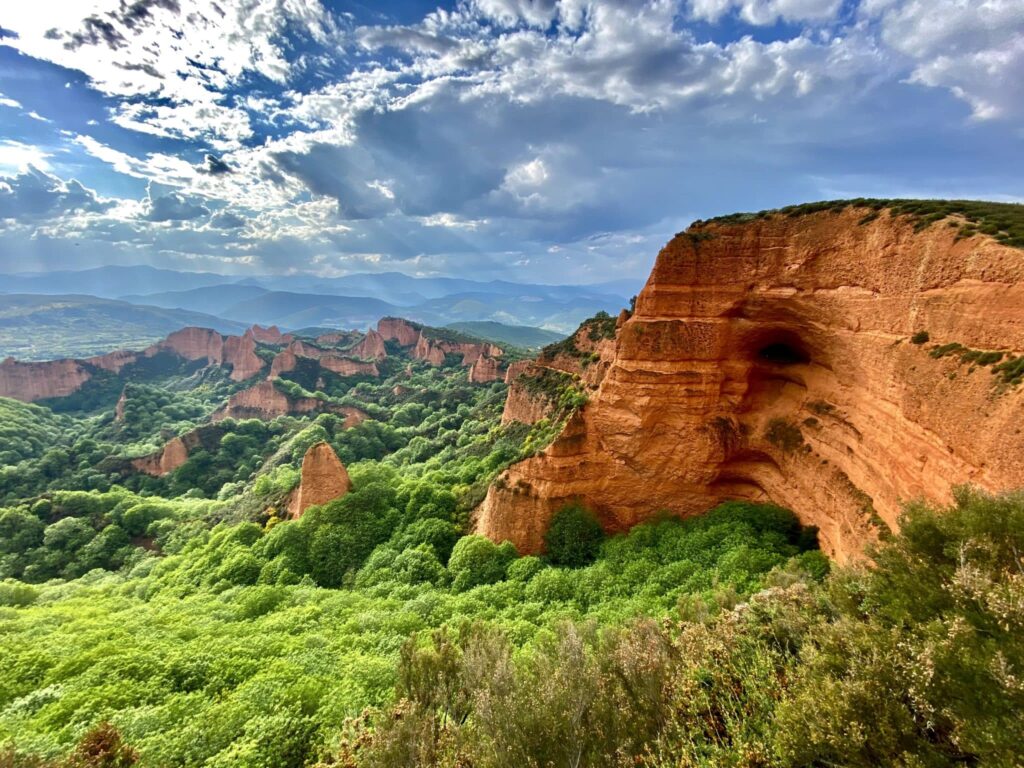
[
  {"x": 477, "y": 560},
  {"x": 573, "y": 537}
]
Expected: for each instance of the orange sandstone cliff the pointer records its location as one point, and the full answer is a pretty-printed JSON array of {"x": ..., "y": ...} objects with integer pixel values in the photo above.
[
  {"x": 324, "y": 478},
  {"x": 772, "y": 360}
]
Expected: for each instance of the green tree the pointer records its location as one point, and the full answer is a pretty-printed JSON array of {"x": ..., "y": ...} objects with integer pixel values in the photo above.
[{"x": 574, "y": 537}]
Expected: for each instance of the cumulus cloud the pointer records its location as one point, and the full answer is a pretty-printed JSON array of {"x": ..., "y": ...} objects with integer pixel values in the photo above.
[
  {"x": 180, "y": 55},
  {"x": 491, "y": 130},
  {"x": 35, "y": 194},
  {"x": 973, "y": 49},
  {"x": 163, "y": 205},
  {"x": 762, "y": 12}
]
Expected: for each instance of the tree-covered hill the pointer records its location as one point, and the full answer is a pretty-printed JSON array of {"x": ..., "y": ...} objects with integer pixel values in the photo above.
[{"x": 185, "y": 619}]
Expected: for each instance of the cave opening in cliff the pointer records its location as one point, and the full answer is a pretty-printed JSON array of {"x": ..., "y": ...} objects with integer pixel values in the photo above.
[{"x": 783, "y": 352}]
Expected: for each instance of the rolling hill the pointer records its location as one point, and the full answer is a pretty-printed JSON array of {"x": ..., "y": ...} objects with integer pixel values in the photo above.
[
  {"x": 513, "y": 335},
  {"x": 46, "y": 327}
]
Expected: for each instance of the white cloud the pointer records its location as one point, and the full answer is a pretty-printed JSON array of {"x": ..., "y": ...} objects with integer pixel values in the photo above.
[
  {"x": 186, "y": 53},
  {"x": 763, "y": 12},
  {"x": 973, "y": 48},
  {"x": 8, "y": 102},
  {"x": 16, "y": 157}
]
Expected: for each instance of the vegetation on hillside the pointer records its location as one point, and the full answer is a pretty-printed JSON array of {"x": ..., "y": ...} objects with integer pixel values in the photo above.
[
  {"x": 1002, "y": 221},
  {"x": 185, "y": 620}
]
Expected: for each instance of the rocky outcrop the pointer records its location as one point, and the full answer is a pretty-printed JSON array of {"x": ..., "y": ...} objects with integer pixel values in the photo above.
[
  {"x": 396, "y": 329},
  {"x": 345, "y": 366},
  {"x": 324, "y": 479},
  {"x": 165, "y": 461},
  {"x": 29, "y": 382},
  {"x": 434, "y": 350},
  {"x": 428, "y": 351},
  {"x": 485, "y": 370},
  {"x": 176, "y": 451},
  {"x": 119, "y": 407},
  {"x": 271, "y": 335},
  {"x": 581, "y": 361},
  {"x": 265, "y": 401},
  {"x": 240, "y": 353},
  {"x": 771, "y": 360},
  {"x": 113, "y": 361},
  {"x": 516, "y": 368},
  {"x": 288, "y": 359},
  {"x": 283, "y": 362},
  {"x": 371, "y": 347},
  {"x": 192, "y": 343},
  {"x": 59, "y": 378}
]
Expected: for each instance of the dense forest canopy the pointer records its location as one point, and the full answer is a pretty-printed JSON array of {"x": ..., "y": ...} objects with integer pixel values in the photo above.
[{"x": 185, "y": 619}]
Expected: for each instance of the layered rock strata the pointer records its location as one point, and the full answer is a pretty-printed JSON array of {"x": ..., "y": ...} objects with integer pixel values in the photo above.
[{"x": 772, "y": 360}]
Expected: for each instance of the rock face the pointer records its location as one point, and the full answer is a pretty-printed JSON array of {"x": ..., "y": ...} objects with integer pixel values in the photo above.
[
  {"x": 29, "y": 382},
  {"x": 271, "y": 335},
  {"x": 428, "y": 351},
  {"x": 581, "y": 360},
  {"x": 266, "y": 401},
  {"x": 771, "y": 360},
  {"x": 345, "y": 366},
  {"x": 324, "y": 478},
  {"x": 288, "y": 359},
  {"x": 397, "y": 329},
  {"x": 240, "y": 353},
  {"x": 433, "y": 350},
  {"x": 485, "y": 370},
  {"x": 193, "y": 344},
  {"x": 113, "y": 361},
  {"x": 59, "y": 378},
  {"x": 172, "y": 456},
  {"x": 370, "y": 348}
]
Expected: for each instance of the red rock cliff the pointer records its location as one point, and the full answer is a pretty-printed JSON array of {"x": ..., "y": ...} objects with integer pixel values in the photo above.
[
  {"x": 324, "y": 478},
  {"x": 29, "y": 382},
  {"x": 371, "y": 347},
  {"x": 397, "y": 329},
  {"x": 772, "y": 360}
]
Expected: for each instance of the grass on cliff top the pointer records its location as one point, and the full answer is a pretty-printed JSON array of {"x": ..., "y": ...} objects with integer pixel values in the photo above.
[{"x": 1002, "y": 221}]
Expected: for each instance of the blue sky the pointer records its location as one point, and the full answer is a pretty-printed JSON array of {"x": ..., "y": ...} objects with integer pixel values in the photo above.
[{"x": 533, "y": 140}]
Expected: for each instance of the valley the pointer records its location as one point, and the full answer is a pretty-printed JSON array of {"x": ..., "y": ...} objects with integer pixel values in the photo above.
[{"x": 732, "y": 522}]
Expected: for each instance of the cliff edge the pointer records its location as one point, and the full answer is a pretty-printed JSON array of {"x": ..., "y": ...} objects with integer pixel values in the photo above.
[{"x": 837, "y": 360}]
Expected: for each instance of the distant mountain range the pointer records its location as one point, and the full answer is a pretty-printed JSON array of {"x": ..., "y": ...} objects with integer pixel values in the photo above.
[
  {"x": 34, "y": 327},
  {"x": 88, "y": 311},
  {"x": 510, "y": 335}
]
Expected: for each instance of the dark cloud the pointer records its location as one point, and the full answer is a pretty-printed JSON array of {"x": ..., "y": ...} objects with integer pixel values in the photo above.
[
  {"x": 106, "y": 28},
  {"x": 215, "y": 166},
  {"x": 36, "y": 194}
]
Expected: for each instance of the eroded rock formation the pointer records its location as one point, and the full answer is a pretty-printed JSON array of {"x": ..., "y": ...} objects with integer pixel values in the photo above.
[
  {"x": 371, "y": 347},
  {"x": 265, "y": 401},
  {"x": 771, "y": 360},
  {"x": 485, "y": 370},
  {"x": 29, "y": 382},
  {"x": 271, "y": 335},
  {"x": 324, "y": 479},
  {"x": 428, "y": 351},
  {"x": 240, "y": 354},
  {"x": 397, "y": 329}
]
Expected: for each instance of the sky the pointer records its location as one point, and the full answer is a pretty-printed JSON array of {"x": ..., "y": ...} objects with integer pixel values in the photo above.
[{"x": 559, "y": 141}]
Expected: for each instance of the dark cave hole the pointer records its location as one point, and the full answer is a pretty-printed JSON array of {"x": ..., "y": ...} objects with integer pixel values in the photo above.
[{"x": 782, "y": 353}]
